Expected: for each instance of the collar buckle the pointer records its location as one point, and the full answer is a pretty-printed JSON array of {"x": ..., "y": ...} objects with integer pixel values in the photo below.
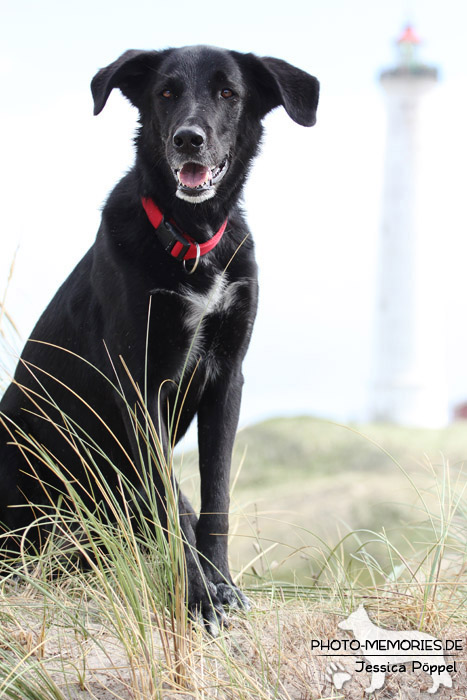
[
  {"x": 175, "y": 242},
  {"x": 173, "y": 238}
]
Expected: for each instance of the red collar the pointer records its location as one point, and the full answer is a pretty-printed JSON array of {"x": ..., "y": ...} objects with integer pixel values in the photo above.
[{"x": 177, "y": 243}]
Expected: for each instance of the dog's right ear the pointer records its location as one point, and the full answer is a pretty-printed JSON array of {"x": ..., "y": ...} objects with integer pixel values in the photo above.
[
  {"x": 276, "y": 82},
  {"x": 129, "y": 73}
]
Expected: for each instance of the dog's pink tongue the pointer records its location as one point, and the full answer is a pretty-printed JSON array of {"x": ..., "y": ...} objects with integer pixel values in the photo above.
[{"x": 193, "y": 174}]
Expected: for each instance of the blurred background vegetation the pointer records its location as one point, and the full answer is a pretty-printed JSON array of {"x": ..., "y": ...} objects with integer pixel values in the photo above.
[{"x": 301, "y": 485}]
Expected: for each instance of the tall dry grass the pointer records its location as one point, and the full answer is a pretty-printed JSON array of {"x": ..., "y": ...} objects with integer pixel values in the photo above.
[{"x": 119, "y": 628}]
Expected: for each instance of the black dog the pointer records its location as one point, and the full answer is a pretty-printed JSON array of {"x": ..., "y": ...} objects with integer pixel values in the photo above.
[{"x": 169, "y": 287}]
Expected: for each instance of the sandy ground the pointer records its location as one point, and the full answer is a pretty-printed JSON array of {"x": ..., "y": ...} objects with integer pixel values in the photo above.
[{"x": 270, "y": 650}]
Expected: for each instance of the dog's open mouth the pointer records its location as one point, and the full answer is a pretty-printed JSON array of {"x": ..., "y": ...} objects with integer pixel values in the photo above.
[{"x": 197, "y": 181}]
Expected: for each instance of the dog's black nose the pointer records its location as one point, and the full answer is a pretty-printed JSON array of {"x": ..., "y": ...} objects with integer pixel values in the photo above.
[{"x": 189, "y": 138}]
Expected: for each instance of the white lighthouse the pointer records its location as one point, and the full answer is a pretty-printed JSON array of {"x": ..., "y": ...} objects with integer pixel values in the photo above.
[{"x": 410, "y": 367}]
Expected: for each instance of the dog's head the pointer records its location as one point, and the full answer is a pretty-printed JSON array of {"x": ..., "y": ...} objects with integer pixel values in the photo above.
[
  {"x": 200, "y": 111},
  {"x": 356, "y": 620}
]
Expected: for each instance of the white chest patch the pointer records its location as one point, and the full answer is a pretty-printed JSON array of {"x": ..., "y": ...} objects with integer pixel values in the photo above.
[
  {"x": 219, "y": 297},
  {"x": 198, "y": 306}
]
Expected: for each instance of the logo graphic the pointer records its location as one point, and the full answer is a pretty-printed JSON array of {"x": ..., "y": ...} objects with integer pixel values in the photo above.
[
  {"x": 337, "y": 676},
  {"x": 379, "y": 651},
  {"x": 389, "y": 651}
]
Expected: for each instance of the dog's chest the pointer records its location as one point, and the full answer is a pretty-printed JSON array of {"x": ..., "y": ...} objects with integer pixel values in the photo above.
[
  {"x": 209, "y": 318},
  {"x": 198, "y": 306}
]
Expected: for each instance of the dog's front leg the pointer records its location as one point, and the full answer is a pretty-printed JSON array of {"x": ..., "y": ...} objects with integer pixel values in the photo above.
[
  {"x": 377, "y": 681},
  {"x": 218, "y": 414},
  {"x": 202, "y": 596}
]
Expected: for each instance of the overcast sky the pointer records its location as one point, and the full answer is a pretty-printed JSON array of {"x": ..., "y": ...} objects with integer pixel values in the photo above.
[{"x": 316, "y": 190}]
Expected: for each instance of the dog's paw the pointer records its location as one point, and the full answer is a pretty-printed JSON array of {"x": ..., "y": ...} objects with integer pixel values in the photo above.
[
  {"x": 209, "y": 612},
  {"x": 214, "y": 620},
  {"x": 336, "y": 675},
  {"x": 232, "y": 596}
]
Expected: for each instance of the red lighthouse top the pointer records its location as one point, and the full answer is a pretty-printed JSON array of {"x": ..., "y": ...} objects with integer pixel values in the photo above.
[
  {"x": 409, "y": 66},
  {"x": 409, "y": 36}
]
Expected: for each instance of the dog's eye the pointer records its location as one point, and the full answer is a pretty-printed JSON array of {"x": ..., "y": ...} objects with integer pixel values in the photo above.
[
  {"x": 167, "y": 94},
  {"x": 227, "y": 93}
]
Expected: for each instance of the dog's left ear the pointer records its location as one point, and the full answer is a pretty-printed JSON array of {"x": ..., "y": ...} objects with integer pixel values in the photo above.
[
  {"x": 130, "y": 73},
  {"x": 276, "y": 82}
]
